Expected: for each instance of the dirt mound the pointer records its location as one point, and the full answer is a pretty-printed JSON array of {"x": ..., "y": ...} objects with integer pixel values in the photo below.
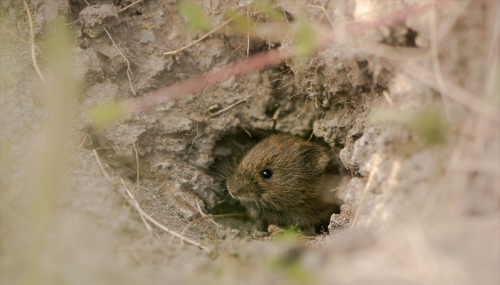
[{"x": 407, "y": 104}]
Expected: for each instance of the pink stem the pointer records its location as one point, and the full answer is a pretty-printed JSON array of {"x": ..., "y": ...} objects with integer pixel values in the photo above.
[{"x": 259, "y": 61}]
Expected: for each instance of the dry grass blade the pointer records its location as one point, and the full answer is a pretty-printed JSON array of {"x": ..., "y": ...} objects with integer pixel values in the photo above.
[
  {"x": 203, "y": 37},
  {"x": 136, "y": 205},
  {"x": 32, "y": 41},
  {"x": 205, "y": 218},
  {"x": 388, "y": 98},
  {"x": 471, "y": 165},
  {"x": 161, "y": 226},
  {"x": 274, "y": 56},
  {"x": 453, "y": 91},
  {"x": 245, "y": 130},
  {"x": 435, "y": 61},
  {"x": 84, "y": 140},
  {"x": 128, "y": 6},
  {"x": 229, "y": 107},
  {"x": 248, "y": 35},
  {"x": 326, "y": 14},
  {"x": 201, "y": 212},
  {"x": 298, "y": 116},
  {"x": 376, "y": 161},
  {"x": 137, "y": 163},
  {"x": 129, "y": 71},
  {"x": 100, "y": 164},
  {"x": 144, "y": 216}
]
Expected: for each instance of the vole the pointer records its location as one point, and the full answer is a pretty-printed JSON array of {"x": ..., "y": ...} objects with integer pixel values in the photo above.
[{"x": 281, "y": 181}]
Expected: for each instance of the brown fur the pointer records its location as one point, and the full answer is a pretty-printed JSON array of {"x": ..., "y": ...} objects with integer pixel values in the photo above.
[{"x": 293, "y": 195}]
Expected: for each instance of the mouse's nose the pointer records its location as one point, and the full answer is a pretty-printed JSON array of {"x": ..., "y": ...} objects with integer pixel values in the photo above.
[{"x": 234, "y": 188}]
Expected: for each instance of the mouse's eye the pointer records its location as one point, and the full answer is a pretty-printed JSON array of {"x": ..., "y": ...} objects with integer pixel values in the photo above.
[{"x": 266, "y": 173}]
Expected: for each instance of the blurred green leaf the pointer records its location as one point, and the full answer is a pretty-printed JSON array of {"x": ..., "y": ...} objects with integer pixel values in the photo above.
[
  {"x": 269, "y": 9},
  {"x": 292, "y": 268},
  {"x": 240, "y": 23},
  {"x": 298, "y": 274},
  {"x": 383, "y": 115},
  {"x": 290, "y": 234},
  {"x": 427, "y": 123},
  {"x": 430, "y": 126},
  {"x": 104, "y": 114},
  {"x": 6, "y": 158},
  {"x": 307, "y": 39},
  {"x": 196, "y": 18}
]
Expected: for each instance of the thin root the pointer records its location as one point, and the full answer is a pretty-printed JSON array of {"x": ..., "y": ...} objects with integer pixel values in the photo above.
[
  {"x": 326, "y": 13},
  {"x": 136, "y": 205},
  {"x": 84, "y": 140},
  {"x": 161, "y": 226},
  {"x": 128, "y": 6},
  {"x": 100, "y": 164},
  {"x": 32, "y": 40},
  {"x": 205, "y": 218},
  {"x": 202, "y": 38},
  {"x": 137, "y": 163},
  {"x": 376, "y": 162},
  {"x": 388, "y": 98},
  {"x": 144, "y": 216},
  {"x": 229, "y": 107},
  {"x": 201, "y": 212},
  {"x": 129, "y": 71}
]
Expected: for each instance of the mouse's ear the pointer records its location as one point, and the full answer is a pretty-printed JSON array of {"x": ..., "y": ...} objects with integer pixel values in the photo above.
[{"x": 316, "y": 158}]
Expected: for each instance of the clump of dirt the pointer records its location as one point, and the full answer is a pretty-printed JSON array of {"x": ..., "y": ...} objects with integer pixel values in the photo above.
[{"x": 430, "y": 203}]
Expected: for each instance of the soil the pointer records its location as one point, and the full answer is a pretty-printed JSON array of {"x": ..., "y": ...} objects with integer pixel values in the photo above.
[{"x": 413, "y": 209}]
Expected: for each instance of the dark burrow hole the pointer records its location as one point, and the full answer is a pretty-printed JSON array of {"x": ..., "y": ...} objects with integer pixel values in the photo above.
[
  {"x": 229, "y": 151},
  {"x": 401, "y": 36}
]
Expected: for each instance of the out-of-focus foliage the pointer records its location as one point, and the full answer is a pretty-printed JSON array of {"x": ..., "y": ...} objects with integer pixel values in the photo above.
[
  {"x": 241, "y": 23},
  {"x": 269, "y": 9},
  {"x": 307, "y": 38},
  {"x": 196, "y": 18},
  {"x": 104, "y": 114},
  {"x": 287, "y": 234},
  {"x": 428, "y": 124},
  {"x": 290, "y": 265}
]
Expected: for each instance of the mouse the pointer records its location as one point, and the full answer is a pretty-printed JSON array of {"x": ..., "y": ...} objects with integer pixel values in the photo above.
[{"x": 281, "y": 181}]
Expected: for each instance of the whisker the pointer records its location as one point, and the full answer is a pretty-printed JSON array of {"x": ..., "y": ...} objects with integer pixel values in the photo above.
[
  {"x": 221, "y": 169},
  {"x": 221, "y": 175},
  {"x": 229, "y": 164}
]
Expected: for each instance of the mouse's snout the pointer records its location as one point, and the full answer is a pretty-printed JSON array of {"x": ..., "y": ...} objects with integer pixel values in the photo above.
[
  {"x": 238, "y": 189},
  {"x": 233, "y": 188}
]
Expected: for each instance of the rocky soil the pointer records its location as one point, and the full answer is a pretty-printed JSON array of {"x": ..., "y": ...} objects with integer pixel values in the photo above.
[{"x": 409, "y": 111}]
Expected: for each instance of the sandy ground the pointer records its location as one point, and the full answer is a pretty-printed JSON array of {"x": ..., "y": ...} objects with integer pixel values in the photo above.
[{"x": 409, "y": 111}]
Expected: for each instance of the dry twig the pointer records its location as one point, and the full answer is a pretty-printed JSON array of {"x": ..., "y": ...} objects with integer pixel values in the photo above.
[
  {"x": 161, "y": 226},
  {"x": 460, "y": 95},
  {"x": 326, "y": 14},
  {"x": 435, "y": 61},
  {"x": 202, "y": 38},
  {"x": 257, "y": 62},
  {"x": 32, "y": 40},
  {"x": 144, "y": 216},
  {"x": 100, "y": 164},
  {"x": 137, "y": 163},
  {"x": 248, "y": 35},
  {"x": 205, "y": 218},
  {"x": 136, "y": 205},
  {"x": 388, "y": 98},
  {"x": 229, "y": 107},
  {"x": 376, "y": 161},
  {"x": 84, "y": 140},
  {"x": 129, "y": 71},
  {"x": 128, "y": 6},
  {"x": 298, "y": 116},
  {"x": 201, "y": 212}
]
